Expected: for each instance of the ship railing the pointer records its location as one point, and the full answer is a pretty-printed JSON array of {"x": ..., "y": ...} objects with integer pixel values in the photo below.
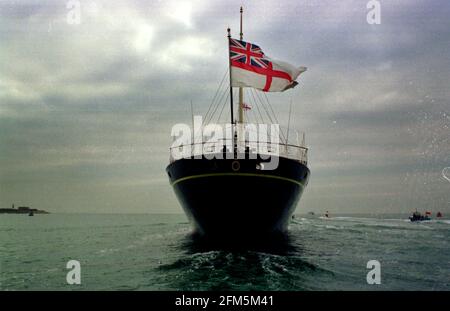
[{"x": 266, "y": 148}]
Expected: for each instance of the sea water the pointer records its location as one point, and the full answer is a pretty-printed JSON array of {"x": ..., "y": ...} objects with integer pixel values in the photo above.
[{"x": 157, "y": 252}]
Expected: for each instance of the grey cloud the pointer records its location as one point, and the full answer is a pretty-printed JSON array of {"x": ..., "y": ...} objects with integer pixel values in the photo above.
[{"x": 86, "y": 111}]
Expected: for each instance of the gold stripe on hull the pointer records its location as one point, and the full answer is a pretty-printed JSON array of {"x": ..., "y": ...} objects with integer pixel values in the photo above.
[{"x": 236, "y": 174}]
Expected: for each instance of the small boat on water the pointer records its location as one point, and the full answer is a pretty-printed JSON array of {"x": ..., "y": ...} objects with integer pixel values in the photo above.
[{"x": 416, "y": 216}]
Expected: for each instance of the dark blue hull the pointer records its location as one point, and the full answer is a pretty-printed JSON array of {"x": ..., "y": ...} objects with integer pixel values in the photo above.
[{"x": 226, "y": 199}]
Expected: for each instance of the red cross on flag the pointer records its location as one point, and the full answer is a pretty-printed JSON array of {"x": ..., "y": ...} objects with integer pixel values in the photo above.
[{"x": 251, "y": 68}]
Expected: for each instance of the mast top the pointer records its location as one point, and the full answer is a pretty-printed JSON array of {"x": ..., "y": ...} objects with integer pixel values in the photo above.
[{"x": 241, "y": 34}]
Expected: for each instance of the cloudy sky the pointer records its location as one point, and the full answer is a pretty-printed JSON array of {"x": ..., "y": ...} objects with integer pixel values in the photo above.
[{"x": 86, "y": 109}]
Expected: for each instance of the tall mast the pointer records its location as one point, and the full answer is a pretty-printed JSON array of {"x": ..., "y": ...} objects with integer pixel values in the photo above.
[
  {"x": 231, "y": 87},
  {"x": 241, "y": 92},
  {"x": 192, "y": 119}
]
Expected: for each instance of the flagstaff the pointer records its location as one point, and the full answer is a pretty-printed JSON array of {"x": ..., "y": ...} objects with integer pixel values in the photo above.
[
  {"x": 241, "y": 92},
  {"x": 231, "y": 87}
]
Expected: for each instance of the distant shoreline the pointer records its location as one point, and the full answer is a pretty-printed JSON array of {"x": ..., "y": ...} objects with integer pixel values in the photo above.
[{"x": 22, "y": 210}]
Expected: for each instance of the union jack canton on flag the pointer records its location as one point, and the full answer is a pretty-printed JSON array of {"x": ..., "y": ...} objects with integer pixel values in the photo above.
[{"x": 250, "y": 67}]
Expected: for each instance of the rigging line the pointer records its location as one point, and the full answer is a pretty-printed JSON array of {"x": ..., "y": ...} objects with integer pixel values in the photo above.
[
  {"x": 270, "y": 118},
  {"x": 270, "y": 106},
  {"x": 265, "y": 108},
  {"x": 262, "y": 107},
  {"x": 211, "y": 109},
  {"x": 221, "y": 111},
  {"x": 220, "y": 86},
  {"x": 223, "y": 103},
  {"x": 217, "y": 92},
  {"x": 257, "y": 106},
  {"x": 275, "y": 116},
  {"x": 249, "y": 114},
  {"x": 252, "y": 116},
  {"x": 217, "y": 102},
  {"x": 223, "y": 106},
  {"x": 247, "y": 117},
  {"x": 216, "y": 106},
  {"x": 224, "y": 98}
]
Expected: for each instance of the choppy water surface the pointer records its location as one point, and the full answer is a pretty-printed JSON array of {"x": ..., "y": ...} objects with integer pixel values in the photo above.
[{"x": 156, "y": 252}]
